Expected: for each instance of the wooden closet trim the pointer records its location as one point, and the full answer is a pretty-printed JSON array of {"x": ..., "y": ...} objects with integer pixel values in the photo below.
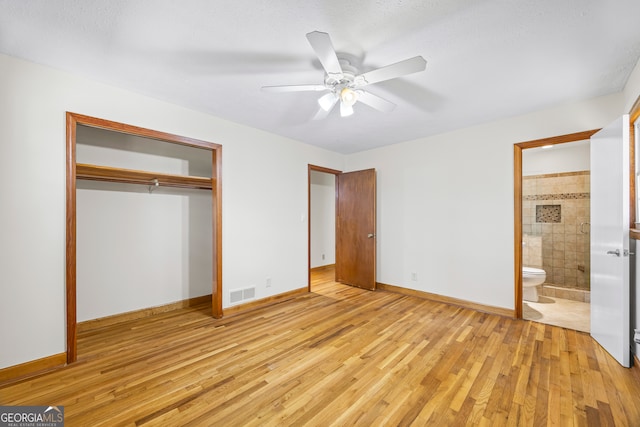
[{"x": 101, "y": 173}]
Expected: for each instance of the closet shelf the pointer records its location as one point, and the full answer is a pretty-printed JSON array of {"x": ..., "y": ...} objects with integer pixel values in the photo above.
[{"x": 131, "y": 176}]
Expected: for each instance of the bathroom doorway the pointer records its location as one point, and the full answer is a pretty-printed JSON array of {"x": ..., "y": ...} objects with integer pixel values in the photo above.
[{"x": 555, "y": 234}]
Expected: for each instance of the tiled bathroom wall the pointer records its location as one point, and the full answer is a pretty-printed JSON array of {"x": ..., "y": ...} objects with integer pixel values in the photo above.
[
  {"x": 532, "y": 250},
  {"x": 555, "y": 207}
]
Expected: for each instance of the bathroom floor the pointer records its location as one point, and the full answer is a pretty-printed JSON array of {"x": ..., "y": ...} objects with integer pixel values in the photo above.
[{"x": 559, "y": 312}]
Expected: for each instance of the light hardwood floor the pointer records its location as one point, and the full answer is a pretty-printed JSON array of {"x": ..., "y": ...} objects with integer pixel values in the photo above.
[{"x": 337, "y": 356}]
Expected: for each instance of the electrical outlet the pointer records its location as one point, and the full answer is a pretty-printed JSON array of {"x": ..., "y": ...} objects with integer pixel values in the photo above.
[
  {"x": 268, "y": 282},
  {"x": 414, "y": 277},
  {"x": 323, "y": 256}
]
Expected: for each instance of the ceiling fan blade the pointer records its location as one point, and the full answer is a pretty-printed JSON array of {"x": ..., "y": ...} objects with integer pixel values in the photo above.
[
  {"x": 294, "y": 88},
  {"x": 402, "y": 68},
  {"x": 321, "y": 44},
  {"x": 375, "y": 102}
]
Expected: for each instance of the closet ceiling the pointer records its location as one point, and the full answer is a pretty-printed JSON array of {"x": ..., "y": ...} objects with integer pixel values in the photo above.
[{"x": 485, "y": 59}]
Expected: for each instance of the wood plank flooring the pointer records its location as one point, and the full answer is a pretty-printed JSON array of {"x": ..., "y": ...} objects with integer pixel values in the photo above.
[{"x": 337, "y": 356}]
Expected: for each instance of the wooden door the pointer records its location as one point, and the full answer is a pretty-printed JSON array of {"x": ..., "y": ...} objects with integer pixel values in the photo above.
[{"x": 356, "y": 228}]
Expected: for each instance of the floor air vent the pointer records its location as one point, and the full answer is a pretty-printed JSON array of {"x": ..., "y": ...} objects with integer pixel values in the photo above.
[
  {"x": 240, "y": 295},
  {"x": 249, "y": 293}
]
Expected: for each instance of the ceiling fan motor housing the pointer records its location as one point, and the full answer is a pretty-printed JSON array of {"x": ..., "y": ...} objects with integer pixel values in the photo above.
[{"x": 347, "y": 79}]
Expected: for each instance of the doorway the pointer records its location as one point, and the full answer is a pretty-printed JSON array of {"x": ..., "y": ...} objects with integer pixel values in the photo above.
[
  {"x": 555, "y": 234},
  {"x": 321, "y": 220},
  {"x": 355, "y": 227},
  {"x": 518, "y": 204},
  {"x": 211, "y": 181}
]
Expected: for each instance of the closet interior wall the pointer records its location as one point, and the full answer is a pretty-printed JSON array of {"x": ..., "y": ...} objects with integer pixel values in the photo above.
[
  {"x": 145, "y": 224},
  {"x": 140, "y": 246}
]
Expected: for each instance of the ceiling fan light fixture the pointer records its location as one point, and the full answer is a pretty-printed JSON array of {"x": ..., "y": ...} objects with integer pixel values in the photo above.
[
  {"x": 345, "y": 109},
  {"x": 327, "y": 101},
  {"x": 348, "y": 96},
  {"x": 343, "y": 80}
]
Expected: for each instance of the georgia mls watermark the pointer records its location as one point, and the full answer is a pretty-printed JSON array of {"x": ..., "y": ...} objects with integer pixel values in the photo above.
[{"x": 31, "y": 416}]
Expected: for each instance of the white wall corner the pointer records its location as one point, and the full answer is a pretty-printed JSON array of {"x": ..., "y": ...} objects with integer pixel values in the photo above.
[{"x": 632, "y": 88}]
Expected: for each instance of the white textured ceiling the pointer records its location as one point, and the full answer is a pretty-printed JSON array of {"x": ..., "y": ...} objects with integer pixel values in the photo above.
[{"x": 485, "y": 59}]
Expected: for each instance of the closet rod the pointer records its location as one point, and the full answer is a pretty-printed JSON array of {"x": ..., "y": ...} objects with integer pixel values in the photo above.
[{"x": 131, "y": 176}]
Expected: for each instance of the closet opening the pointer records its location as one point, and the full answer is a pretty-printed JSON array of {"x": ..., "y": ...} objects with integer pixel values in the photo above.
[{"x": 143, "y": 221}]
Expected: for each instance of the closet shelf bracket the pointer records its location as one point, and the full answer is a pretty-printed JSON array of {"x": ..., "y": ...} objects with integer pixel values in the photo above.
[{"x": 154, "y": 183}]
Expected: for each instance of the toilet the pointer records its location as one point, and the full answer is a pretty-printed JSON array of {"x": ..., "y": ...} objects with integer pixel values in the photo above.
[{"x": 531, "y": 278}]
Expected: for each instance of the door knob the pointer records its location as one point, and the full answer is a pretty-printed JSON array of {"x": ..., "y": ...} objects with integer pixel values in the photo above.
[
  {"x": 371, "y": 236},
  {"x": 616, "y": 252}
]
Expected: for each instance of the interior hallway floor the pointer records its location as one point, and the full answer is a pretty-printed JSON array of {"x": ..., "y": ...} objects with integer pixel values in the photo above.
[{"x": 559, "y": 312}]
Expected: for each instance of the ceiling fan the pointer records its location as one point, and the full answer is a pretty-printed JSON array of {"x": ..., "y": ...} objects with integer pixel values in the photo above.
[{"x": 344, "y": 82}]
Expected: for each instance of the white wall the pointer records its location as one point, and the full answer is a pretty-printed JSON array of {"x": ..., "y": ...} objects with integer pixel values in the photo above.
[
  {"x": 323, "y": 219},
  {"x": 632, "y": 88},
  {"x": 264, "y": 219},
  {"x": 108, "y": 148},
  {"x": 445, "y": 203},
  {"x": 137, "y": 249},
  {"x": 569, "y": 157}
]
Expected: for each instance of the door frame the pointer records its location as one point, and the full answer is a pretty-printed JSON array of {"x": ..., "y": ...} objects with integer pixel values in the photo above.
[
  {"x": 72, "y": 121},
  {"x": 517, "y": 202},
  {"x": 315, "y": 168}
]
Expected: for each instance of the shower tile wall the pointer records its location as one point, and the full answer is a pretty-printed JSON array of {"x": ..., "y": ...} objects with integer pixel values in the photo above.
[
  {"x": 565, "y": 244},
  {"x": 532, "y": 250}
]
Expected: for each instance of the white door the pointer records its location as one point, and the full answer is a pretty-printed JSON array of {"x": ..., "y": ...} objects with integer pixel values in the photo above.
[{"x": 610, "y": 297}]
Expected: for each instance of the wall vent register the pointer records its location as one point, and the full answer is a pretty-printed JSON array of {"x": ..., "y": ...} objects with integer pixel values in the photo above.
[{"x": 239, "y": 295}]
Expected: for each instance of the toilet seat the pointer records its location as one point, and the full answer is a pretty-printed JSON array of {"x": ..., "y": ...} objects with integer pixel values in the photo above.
[
  {"x": 531, "y": 279},
  {"x": 531, "y": 271}
]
